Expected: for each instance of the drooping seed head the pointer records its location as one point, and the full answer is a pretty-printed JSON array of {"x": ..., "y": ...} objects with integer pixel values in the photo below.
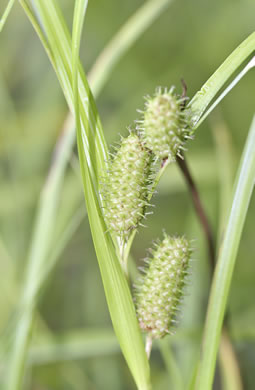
[
  {"x": 160, "y": 290},
  {"x": 165, "y": 125},
  {"x": 127, "y": 186}
]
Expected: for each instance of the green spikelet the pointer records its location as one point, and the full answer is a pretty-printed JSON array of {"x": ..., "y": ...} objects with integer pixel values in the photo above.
[
  {"x": 127, "y": 186},
  {"x": 165, "y": 125},
  {"x": 160, "y": 290}
]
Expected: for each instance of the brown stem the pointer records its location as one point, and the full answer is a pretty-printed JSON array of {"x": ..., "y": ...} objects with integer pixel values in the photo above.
[{"x": 199, "y": 209}]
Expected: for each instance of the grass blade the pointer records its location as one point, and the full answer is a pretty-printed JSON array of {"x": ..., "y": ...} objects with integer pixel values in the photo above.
[
  {"x": 238, "y": 78},
  {"x": 116, "y": 288},
  {"x": 116, "y": 49},
  {"x": 225, "y": 264},
  {"x": 128, "y": 34},
  {"x": 46, "y": 209},
  {"x": 92, "y": 150},
  {"x": 203, "y": 98},
  {"x": 35, "y": 272},
  {"x": 225, "y": 166},
  {"x": 6, "y": 13},
  {"x": 78, "y": 19}
]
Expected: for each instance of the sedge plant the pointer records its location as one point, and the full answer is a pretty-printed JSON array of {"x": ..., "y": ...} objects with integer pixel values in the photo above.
[{"x": 111, "y": 246}]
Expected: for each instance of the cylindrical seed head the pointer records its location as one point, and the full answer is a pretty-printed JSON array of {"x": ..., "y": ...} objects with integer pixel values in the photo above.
[
  {"x": 165, "y": 125},
  {"x": 127, "y": 186},
  {"x": 160, "y": 290}
]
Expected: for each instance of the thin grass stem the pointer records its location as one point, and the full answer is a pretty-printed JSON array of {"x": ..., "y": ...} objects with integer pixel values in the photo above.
[
  {"x": 202, "y": 217},
  {"x": 201, "y": 214},
  {"x": 6, "y": 13},
  {"x": 225, "y": 161},
  {"x": 213, "y": 85},
  {"x": 225, "y": 265},
  {"x": 249, "y": 66}
]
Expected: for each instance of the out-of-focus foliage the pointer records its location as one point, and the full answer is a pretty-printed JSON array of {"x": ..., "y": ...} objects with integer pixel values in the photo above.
[{"x": 190, "y": 40}]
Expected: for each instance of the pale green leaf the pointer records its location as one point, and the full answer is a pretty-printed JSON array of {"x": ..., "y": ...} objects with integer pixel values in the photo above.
[
  {"x": 6, "y": 13},
  {"x": 92, "y": 151},
  {"x": 244, "y": 186},
  {"x": 209, "y": 90}
]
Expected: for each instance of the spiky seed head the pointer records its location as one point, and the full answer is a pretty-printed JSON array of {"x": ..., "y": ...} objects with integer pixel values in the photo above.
[
  {"x": 165, "y": 125},
  {"x": 127, "y": 186},
  {"x": 159, "y": 291}
]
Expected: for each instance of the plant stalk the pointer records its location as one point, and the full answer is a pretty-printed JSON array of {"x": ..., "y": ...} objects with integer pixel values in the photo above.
[
  {"x": 201, "y": 214},
  {"x": 226, "y": 261}
]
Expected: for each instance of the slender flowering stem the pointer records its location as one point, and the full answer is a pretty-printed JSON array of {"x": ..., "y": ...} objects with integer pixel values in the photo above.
[{"x": 182, "y": 163}]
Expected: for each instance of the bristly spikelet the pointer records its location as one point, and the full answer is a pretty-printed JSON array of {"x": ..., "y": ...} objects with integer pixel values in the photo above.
[
  {"x": 160, "y": 290},
  {"x": 165, "y": 124},
  {"x": 127, "y": 186}
]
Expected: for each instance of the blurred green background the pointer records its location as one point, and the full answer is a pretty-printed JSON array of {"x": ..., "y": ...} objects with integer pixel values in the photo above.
[{"x": 190, "y": 40}]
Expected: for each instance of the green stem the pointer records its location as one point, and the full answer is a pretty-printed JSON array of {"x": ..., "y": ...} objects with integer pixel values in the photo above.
[
  {"x": 203, "y": 219},
  {"x": 78, "y": 19},
  {"x": 120, "y": 244},
  {"x": 40, "y": 243},
  {"x": 225, "y": 264},
  {"x": 200, "y": 211},
  {"x": 228, "y": 361},
  {"x": 6, "y": 13}
]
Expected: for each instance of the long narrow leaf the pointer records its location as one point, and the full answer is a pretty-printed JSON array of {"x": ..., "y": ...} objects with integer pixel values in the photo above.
[
  {"x": 117, "y": 291},
  {"x": 114, "y": 51},
  {"x": 6, "y": 13},
  {"x": 233, "y": 83},
  {"x": 227, "y": 256},
  {"x": 91, "y": 150},
  {"x": 206, "y": 94},
  {"x": 78, "y": 19}
]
